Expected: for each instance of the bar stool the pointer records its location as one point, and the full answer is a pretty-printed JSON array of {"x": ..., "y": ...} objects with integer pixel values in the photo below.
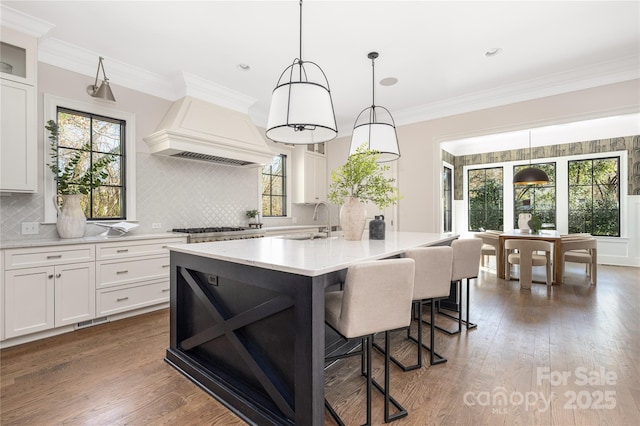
[
  {"x": 376, "y": 298},
  {"x": 465, "y": 265},
  {"x": 432, "y": 282}
]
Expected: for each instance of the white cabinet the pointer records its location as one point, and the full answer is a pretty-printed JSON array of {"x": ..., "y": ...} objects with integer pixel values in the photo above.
[
  {"x": 48, "y": 287},
  {"x": 18, "y": 141},
  {"x": 131, "y": 275},
  {"x": 310, "y": 176}
]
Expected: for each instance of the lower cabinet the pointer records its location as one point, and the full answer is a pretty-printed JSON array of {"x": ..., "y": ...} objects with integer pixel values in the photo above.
[
  {"x": 41, "y": 298},
  {"x": 54, "y": 286}
]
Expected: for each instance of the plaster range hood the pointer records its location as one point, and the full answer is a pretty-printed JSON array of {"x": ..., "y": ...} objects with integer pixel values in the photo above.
[{"x": 200, "y": 130}]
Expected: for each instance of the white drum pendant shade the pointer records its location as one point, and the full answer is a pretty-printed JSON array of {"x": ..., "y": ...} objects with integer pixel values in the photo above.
[
  {"x": 301, "y": 113},
  {"x": 379, "y": 137},
  {"x": 375, "y": 127}
]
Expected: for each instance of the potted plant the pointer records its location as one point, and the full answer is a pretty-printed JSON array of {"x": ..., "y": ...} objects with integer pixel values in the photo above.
[
  {"x": 73, "y": 181},
  {"x": 359, "y": 180},
  {"x": 252, "y": 214}
]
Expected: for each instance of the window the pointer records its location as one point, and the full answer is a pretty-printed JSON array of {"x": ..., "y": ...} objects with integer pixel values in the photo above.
[
  {"x": 274, "y": 197},
  {"x": 536, "y": 199},
  {"x": 101, "y": 135},
  {"x": 594, "y": 196},
  {"x": 127, "y": 164},
  {"x": 447, "y": 198},
  {"x": 485, "y": 198}
]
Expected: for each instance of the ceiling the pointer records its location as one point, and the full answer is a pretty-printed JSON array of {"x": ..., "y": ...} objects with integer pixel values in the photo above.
[{"x": 436, "y": 50}]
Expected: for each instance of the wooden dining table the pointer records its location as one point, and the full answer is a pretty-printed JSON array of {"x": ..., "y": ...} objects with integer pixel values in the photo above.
[{"x": 544, "y": 235}]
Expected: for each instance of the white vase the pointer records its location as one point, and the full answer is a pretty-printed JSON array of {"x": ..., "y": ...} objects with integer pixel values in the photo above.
[
  {"x": 523, "y": 221},
  {"x": 353, "y": 217},
  {"x": 71, "y": 219}
]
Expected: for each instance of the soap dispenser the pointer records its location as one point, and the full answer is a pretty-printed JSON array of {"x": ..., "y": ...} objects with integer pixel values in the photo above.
[{"x": 377, "y": 228}]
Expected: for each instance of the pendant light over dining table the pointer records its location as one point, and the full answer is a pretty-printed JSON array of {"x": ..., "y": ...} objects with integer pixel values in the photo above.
[
  {"x": 301, "y": 106},
  {"x": 375, "y": 126},
  {"x": 530, "y": 175}
]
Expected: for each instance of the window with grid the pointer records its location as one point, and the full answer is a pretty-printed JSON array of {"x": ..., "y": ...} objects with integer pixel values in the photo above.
[
  {"x": 274, "y": 197},
  {"x": 94, "y": 137},
  {"x": 536, "y": 199},
  {"x": 485, "y": 198},
  {"x": 594, "y": 196}
]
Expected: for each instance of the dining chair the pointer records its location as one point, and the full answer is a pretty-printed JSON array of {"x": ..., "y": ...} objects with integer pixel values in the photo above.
[
  {"x": 527, "y": 257},
  {"x": 489, "y": 246},
  {"x": 376, "y": 298},
  {"x": 579, "y": 250}
]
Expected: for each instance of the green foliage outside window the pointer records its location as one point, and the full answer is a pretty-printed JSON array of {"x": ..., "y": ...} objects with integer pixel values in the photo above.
[
  {"x": 274, "y": 201},
  {"x": 87, "y": 157},
  {"x": 541, "y": 199},
  {"x": 485, "y": 195},
  {"x": 594, "y": 196}
]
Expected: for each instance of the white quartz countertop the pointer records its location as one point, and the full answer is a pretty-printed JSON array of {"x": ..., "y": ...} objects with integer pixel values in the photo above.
[
  {"x": 310, "y": 257},
  {"x": 26, "y": 243}
]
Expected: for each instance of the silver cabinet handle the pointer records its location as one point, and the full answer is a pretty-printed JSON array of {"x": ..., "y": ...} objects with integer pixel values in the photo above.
[
  {"x": 54, "y": 256},
  {"x": 120, "y": 299},
  {"x": 58, "y": 275},
  {"x": 164, "y": 290},
  {"x": 121, "y": 272},
  {"x": 50, "y": 276},
  {"x": 165, "y": 246},
  {"x": 166, "y": 266},
  {"x": 122, "y": 250}
]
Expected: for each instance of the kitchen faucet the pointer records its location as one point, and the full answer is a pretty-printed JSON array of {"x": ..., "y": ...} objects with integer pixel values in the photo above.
[{"x": 315, "y": 215}]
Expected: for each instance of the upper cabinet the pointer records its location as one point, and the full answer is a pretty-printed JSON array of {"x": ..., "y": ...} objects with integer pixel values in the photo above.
[
  {"x": 18, "y": 141},
  {"x": 309, "y": 173}
]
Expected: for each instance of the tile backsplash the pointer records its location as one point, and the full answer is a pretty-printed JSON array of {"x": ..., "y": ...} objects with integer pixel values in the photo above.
[{"x": 171, "y": 191}]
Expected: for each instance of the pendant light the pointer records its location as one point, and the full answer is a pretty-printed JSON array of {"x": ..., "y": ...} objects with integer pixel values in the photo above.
[
  {"x": 104, "y": 90},
  {"x": 375, "y": 126},
  {"x": 530, "y": 175},
  {"x": 301, "y": 106}
]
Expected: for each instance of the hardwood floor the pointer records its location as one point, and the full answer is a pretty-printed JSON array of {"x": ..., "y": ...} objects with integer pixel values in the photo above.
[{"x": 569, "y": 355}]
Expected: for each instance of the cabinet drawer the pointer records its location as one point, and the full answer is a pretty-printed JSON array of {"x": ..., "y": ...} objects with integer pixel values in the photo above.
[
  {"x": 130, "y": 271},
  {"x": 122, "y": 250},
  {"x": 133, "y": 297},
  {"x": 42, "y": 256}
]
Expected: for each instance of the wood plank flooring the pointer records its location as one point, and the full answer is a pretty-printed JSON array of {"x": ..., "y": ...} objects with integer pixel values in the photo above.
[{"x": 569, "y": 355}]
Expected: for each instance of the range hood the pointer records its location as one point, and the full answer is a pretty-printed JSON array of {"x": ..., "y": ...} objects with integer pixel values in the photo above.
[{"x": 200, "y": 130}]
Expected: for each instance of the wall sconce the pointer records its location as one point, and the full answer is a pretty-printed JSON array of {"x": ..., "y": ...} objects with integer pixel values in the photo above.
[{"x": 104, "y": 91}]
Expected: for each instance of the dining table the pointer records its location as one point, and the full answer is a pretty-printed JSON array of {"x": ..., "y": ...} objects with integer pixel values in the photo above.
[{"x": 551, "y": 236}]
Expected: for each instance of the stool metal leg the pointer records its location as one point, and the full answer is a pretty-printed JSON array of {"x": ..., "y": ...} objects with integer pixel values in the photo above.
[{"x": 458, "y": 318}]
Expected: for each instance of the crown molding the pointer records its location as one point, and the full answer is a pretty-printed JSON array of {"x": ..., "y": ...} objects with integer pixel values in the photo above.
[
  {"x": 24, "y": 23},
  {"x": 604, "y": 73},
  {"x": 207, "y": 90}
]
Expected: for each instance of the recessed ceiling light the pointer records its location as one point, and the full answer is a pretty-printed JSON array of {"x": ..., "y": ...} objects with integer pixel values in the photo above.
[
  {"x": 244, "y": 67},
  {"x": 389, "y": 81},
  {"x": 493, "y": 51}
]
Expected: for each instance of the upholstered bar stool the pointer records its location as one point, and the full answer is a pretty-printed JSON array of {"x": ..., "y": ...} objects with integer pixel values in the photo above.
[
  {"x": 465, "y": 265},
  {"x": 432, "y": 282},
  {"x": 527, "y": 259},
  {"x": 376, "y": 297}
]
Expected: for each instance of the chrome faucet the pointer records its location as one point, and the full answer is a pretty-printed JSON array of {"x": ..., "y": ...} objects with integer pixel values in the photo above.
[{"x": 315, "y": 215}]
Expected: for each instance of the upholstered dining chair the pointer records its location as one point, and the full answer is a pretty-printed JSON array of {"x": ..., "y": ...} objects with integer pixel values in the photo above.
[
  {"x": 432, "y": 282},
  {"x": 489, "y": 245},
  {"x": 376, "y": 297},
  {"x": 579, "y": 249},
  {"x": 527, "y": 258},
  {"x": 465, "y": 265}
]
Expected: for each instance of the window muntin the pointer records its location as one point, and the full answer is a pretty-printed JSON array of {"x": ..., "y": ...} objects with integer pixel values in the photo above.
[
  {"x": 594, "y": 196},
  {"x": 541, "y": 199},
  {"x": 105, "y": 136},
  {"x": 274, "y": 184},
  {"x": 485, "y": 198}
]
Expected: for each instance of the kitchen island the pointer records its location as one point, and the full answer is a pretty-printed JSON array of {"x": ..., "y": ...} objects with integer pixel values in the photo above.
[{"x": 247, "y": 318}]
